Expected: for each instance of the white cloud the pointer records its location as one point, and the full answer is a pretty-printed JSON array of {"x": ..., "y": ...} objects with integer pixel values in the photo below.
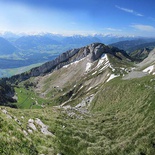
[
  {"x": 129, "y": 11},
  {"x": 112, "y": 29},
  {"x": 141, "y": 27}
]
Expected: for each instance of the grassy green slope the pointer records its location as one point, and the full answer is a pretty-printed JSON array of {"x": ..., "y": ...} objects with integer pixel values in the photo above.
[
  {"x": 15, "y": 142},
  {"x": 27, "y": 99},
  {"x": 121, "y": 121},
  {"x": 130, "y": 106}
]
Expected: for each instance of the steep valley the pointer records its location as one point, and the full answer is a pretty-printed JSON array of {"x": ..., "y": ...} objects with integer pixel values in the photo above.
[{"x": 88, "y": 101}]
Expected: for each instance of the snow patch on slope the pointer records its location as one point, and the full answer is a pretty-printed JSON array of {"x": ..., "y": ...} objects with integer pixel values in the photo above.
[
  {"x": 88, "y": 66},
  {"x": 112, "y": 76},
  {"x": 73, "y": 63},
  {"x": 94, "y": 73},
  {"x": 104, "y": 67},
  {"x": 149, "y": 69},
  {"x": 104, "y": 59},
  {"x": 113, "y": 69}
]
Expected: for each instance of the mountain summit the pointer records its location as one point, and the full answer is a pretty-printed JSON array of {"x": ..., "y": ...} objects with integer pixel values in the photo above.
[
  {"x": 90, "y": 53},
  {"x": 96, "y": 62}
]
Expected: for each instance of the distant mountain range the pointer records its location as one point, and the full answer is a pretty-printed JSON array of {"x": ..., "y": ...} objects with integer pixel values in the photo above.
[
  {"x": 6, "y": 47},
  {"x": 138, "y": 49},
  {"x": 11, "y": 43},
  {"x": 34, "y": 42},
  {"x": 42, "y": 47},
  {"x": 131, "y": 45},
  {"x": 58, "y": 43}
]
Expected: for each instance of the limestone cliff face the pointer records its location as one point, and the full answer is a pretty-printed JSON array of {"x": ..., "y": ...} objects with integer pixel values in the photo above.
[{"x": 93, "y": 52}]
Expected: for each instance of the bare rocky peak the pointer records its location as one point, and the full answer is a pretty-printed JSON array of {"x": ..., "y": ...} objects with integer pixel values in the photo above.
[{"x": 93, "y": 52}]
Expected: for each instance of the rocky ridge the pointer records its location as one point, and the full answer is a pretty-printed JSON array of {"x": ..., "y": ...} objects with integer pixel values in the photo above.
[
  {"x": 95, "y": 51},
  {"x": 84, "y": 67}
]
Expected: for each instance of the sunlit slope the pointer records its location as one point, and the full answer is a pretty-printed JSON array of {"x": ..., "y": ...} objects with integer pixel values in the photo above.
[
  {"x": 119, "y": 121},
  {"x": 86, "y": 107}
]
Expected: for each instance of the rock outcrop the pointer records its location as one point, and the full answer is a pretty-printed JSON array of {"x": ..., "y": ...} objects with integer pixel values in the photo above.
[{"x": 93, "y": 51}]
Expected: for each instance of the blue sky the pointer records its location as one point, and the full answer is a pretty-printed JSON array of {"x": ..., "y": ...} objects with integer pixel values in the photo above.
[{"x": 118, "y": 17}]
